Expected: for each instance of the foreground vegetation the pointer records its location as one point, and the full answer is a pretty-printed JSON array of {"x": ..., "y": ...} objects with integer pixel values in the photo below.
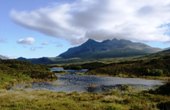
[
  {"x": 148, "y": 66},
  {"x": 124, "y": 98},
  {"x": 119, "y": 99},
  {"x": 12, "y": 72}
]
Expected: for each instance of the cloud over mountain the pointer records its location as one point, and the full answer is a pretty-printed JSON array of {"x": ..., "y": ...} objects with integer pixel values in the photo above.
[{"x": 138, "y": 20}]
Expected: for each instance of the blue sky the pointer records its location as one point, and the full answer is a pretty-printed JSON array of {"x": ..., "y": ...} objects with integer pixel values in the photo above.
[
  {"x": 40, "y": 28},
  {"x": 10, "y": 32}
]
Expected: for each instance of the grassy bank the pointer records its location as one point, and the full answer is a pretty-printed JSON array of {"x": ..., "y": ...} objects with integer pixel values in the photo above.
[
  {"x": 128, "y": 99},
  {"x": 13, "y": 72},
  {"x": 156, "y": 67}
]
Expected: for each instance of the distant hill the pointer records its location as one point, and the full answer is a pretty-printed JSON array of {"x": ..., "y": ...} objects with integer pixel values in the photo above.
[
  {"x": 108, "y": 49},
  {"x": 93, "y": 50},
  {"x": 3, "y": 57},
  {"x": 163, "y": 53},
  {"x": 43, "y": 60},
  {"x": 156, "y": 64}
]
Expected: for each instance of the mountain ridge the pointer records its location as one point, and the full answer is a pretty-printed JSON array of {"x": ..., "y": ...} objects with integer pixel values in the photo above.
[
  {"x": 108, "y": 48},
  {"x": 97, "y": 50},
  {"x": 3, "y": 57}
]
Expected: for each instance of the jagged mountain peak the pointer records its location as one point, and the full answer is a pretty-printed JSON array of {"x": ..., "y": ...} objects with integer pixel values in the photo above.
[{"x": 108, "y": 48}]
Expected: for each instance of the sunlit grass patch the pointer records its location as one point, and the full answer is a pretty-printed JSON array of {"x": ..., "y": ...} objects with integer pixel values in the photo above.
[{"x": 47, "y": 100}]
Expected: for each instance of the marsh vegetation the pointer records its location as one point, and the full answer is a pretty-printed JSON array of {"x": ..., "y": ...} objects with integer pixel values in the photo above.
[
  {"x": 123, "y": 97},
  {"x": 117, "y": 99}
]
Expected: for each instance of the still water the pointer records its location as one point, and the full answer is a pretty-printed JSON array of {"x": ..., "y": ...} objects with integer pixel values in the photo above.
[{"x": 91, "y": 83}]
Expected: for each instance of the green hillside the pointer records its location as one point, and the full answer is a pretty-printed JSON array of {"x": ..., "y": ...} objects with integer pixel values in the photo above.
[
  {"x": 151, "y": 65},
  {"x": 13, "y": 71}
]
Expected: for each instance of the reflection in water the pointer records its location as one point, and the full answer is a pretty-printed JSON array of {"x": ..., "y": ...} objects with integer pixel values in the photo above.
[
  {"x": 90, "y": 83},
  {"x": 93, "y": 88}
]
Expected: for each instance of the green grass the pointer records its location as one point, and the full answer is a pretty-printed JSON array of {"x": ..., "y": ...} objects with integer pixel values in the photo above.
[
  {"x": 13, "y": 72},
  {"x": 6, "y": 80},
  {"x": 140, "y": 68},
  {"x": 47, "y": 100},
  {"x": 151, "y": 66}
]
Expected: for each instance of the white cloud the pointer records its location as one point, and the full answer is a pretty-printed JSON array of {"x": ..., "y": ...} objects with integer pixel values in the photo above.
[
  {"x": 26, "y": 41},
  {"x": 138, "y": 20}
]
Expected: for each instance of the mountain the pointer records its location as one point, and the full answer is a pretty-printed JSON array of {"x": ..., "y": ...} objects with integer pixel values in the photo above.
[
  {"x": 3, "y": 57},
  {"x": 165, "y": 51},
  {"x": 162, "y": 54},
  {"x": 43, "y": 60},
  {"x": 108, "y": 49},
  {"x": 156, "y": 64}
]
